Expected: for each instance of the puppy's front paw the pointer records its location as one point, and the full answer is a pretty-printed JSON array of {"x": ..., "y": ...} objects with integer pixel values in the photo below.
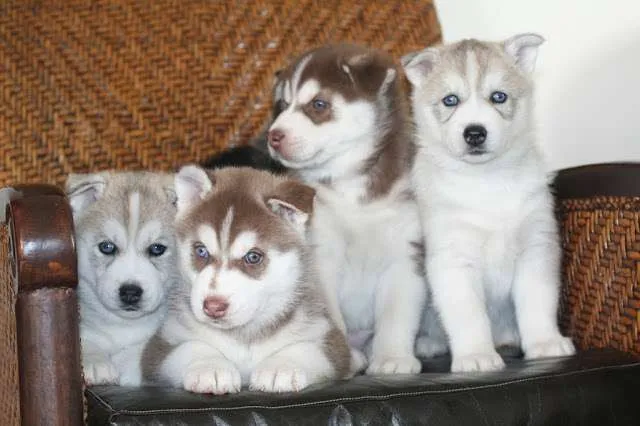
[
  {"x": 100, "y": 371},
  {"x": 489, "y": 361},
  {"x": 394, "y": 365},
  {"x": 560, "y": 346},
  {"x": 274, "y": 377},
  {"x": 212, "y": 377}
]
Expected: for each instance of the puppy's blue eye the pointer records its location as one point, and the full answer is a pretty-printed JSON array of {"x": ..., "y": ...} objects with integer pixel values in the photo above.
[
  {"x": 253, "y": 257},
  {"x": 156, "y": 249},
  {"x": 107, "y": 247},
  {"x": 201, "y": 251},
  {"x": 450, "y": 100},
  {"x": 319, "y": 104},
  {"x": 498, "y": 97}
]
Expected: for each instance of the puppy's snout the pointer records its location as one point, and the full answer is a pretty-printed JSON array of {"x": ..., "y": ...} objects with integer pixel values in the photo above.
[
  {"x": 215, "y": 306},
  {"x": 475, "y": 135},
  {"x": 275, "y": 138},
  {"x": 130, "y": 294}
]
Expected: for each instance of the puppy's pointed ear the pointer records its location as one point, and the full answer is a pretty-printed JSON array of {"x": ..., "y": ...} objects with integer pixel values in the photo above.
[
  {"x": 170, "y": 189},
  {"x": 418, "y": 65},
  {"x": 84, "y": 189},
  {"x": 369, "y": 71},
  {"x": 292, "y": 201},
  {"x": 524, "y": 49},
  {"x": 191, "y": 185}
]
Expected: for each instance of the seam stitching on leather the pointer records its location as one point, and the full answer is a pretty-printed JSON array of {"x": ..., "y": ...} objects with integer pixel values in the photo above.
[{"x": 354, "y": 399}]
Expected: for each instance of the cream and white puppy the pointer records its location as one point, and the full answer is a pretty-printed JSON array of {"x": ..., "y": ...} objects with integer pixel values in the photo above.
[
  {"x": 492, "y": 246},
  {"x": 249, "y": 311},
  {"x": 126, "y": 266}
]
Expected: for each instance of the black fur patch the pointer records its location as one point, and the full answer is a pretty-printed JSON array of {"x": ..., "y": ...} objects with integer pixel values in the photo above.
[{"x": 244, "y": 156}]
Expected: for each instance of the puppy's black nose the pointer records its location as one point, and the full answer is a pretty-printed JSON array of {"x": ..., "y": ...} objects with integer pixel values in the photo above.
[
  {"x": 475, "y": 135},
  {"x": 130, "y": 294}
]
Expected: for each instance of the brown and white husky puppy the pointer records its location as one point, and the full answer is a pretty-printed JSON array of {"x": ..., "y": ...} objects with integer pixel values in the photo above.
[
  {"x": 343, "y": 127},
  {"x": 249, "y": 311}
]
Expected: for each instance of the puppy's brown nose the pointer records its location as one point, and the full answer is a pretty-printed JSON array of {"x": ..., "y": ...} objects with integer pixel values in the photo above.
[
  {"x": 275, "y": 138},
  {"x": 215, "y": 306}
]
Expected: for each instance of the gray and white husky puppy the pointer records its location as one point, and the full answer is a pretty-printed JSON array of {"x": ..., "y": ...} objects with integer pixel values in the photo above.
[
  {"x": 492, "y": 246},
  {"x": 126, "y": 266}
]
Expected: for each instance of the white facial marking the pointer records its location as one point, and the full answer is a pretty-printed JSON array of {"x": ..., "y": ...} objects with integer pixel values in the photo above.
[
  {"x": 242, "y": 244},
  {"x": 149, "y": 233},
  {"x": 226, "y": 229},
  {"x": 472, "y": 71},
  {"x": 286, "y": 91},
  {"x": 114, "y": 231},
  {"x": 134, "y": 213},
  {"x": 307, "y": 92},
  {"x": 297, "y": 74},
  {"x": 209, "y": 238}
]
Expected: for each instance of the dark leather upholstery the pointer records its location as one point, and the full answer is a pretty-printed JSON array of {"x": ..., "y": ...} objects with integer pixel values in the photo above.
[{"x": 598, "y": 387}]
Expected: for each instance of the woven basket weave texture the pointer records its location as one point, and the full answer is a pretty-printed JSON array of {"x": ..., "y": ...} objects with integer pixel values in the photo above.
[
  {"x": 9, "y": 399},
  {"x": 601, "y": 297},
  {"x": 156, "y": 84}
]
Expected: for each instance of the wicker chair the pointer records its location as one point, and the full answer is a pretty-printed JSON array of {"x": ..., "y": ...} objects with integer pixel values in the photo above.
[{"x": 123, "y": 85}]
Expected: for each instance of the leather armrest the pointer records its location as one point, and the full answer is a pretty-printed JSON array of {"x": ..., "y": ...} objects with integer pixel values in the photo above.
[
  {"x": 607, "y": 179},
  {"x": 44, "y": 276},
  {"x": 598, "y": 209}
]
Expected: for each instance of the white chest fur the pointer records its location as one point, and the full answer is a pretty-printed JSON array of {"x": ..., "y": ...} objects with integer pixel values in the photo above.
[{"x": 357, "y": 241}]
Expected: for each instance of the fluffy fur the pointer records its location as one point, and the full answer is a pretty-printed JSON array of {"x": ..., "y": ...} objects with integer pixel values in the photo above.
[
  {"x": 343, "y": 127},
  {"x": 493, "y": 253},
  {"x": 126, "y": 265},
  {"x": 248, "y": 312}
]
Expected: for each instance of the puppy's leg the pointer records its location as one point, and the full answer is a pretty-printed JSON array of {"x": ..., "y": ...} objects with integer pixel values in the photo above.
[
  {"x": 432, "y": 340},
  {"x": 399, "y": 303},
  {"x": 292, "y": 368},
  {"x": 453, "y": 269},
  {"x": 536, "y": 290},
  {"x": 200, "y": 368},
  {"x": 329, "y": 256},
  {"x": 97, "y": 367}
]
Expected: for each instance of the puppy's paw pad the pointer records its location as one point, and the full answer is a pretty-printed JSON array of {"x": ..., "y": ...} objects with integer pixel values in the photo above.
[
  {"x": 394, "y": 365},
  {"x": 560, "y": 346},
  {"x": 101, "y": 373},
  {"x": 278, "y": 379},
  {"x": 478, "y": 362},
  {"x": 210, "y": 379}
]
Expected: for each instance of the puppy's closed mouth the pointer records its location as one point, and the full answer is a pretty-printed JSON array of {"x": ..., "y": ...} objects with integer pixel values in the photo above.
[{"x": 476, "y": 151}]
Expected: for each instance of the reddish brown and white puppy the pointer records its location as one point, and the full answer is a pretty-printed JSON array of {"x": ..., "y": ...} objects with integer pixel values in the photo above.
[
  {"x": 344, "y": 127},
  {"x": 249, "y": 312}
]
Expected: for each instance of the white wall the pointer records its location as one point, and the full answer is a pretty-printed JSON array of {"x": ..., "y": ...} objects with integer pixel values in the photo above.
[{"x": 588, "y": 74}]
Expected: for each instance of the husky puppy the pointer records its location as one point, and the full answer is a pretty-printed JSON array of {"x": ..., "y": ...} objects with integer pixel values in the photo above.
[
  {"x": 493, "y": 253},
  {"x": 126, "y": 266},
  {"x": 344, "y": 128},
  {"x": 249, "y": 311}
]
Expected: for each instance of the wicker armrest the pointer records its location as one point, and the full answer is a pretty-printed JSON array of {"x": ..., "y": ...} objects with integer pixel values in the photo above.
[
  {"x": 599, "y": 211},
  {"x": 42, "y": 265}
]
